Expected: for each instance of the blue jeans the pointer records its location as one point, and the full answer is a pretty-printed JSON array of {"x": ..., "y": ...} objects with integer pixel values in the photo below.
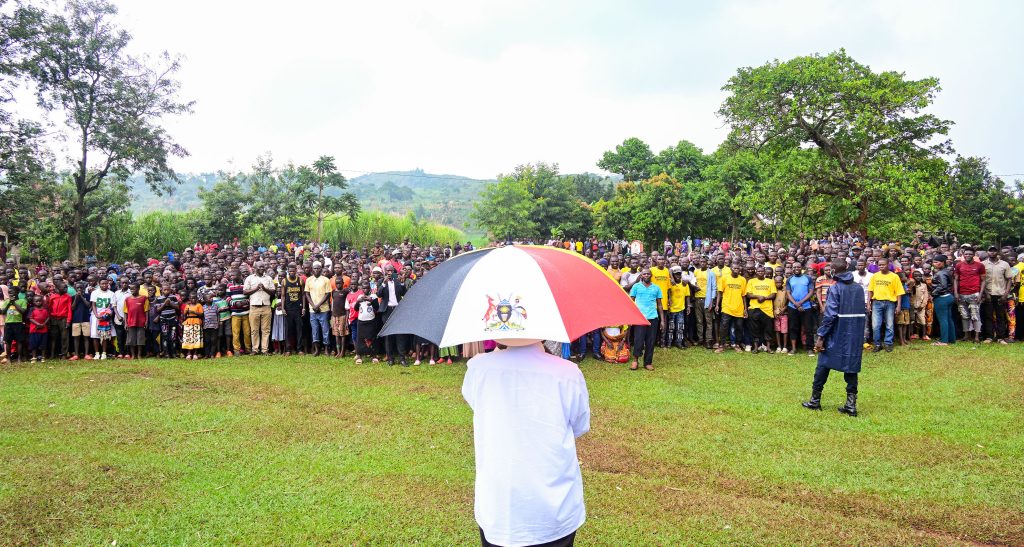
[
  {"x": 594, "y": 337},
  {"x": 883, "y": 310},
  {"x": 675, "y": 329},
  {"x": 944, "y": 311},
  {"x": 318, "y": 322}
]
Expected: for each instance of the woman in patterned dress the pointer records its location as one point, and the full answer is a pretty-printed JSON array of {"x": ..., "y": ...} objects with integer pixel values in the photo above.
[{"x": 192, "y": 328}]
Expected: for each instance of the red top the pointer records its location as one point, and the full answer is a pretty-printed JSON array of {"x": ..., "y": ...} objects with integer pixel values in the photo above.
[
  {"x": 60, "y": 306},
  {"x": 969, "y": 276},
  {"x": 135, "y": 314},
  {"x": 42, "y": 316}
]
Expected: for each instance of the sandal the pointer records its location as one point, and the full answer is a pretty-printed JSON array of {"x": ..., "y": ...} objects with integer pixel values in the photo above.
[
  {"x": 649, "y": 367},
  {"x": 634, "y": 366},
  {"x": 359, "y": 361}
]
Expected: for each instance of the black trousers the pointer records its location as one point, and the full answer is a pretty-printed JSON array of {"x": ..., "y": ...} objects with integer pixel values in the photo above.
[
  {"x": 805, "y": 320},
  {"x": 121, "y": 334},
  {"x": 396, "y": 345},
  {"x": 294, "y": 323},
  {"x": 761, "y": 327},
  {"x": 58, "y": 337},
  {"x": 995, "y": 321},
  {"x": 821, "y": 376},
  {"x": 210, "y": 346},
  {"x": 566, "y": 541},
  {"x": 644, "y": 337},
  {"x": 1019, "y": 330}
]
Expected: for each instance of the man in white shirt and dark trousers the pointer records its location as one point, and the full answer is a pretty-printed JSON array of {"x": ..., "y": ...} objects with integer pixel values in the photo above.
[{"x": 528, "y": 409}]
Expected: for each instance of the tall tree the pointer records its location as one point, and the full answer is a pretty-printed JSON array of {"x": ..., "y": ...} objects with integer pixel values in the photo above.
[
  {"x": 591, "y": 188},
  {"x": 111, "y": 101},
  {"x": 684, "y": 162},
  {"x": 324, "y": 175},
  {"x": 24, "y": 185},
  {"x": 222, "y": 210},
  {"x": 866, "y": 131},
  {"x": 982, "y": 206},
  {"x": 505, "y": 210},
  {"x": 632, "y": 159}
]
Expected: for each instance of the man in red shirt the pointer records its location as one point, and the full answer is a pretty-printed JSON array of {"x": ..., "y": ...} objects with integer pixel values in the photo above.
[
  {"x": 969, "y": 291},
  {"x": 59, "y": 305},
  {"x": 135, "y": 315}
]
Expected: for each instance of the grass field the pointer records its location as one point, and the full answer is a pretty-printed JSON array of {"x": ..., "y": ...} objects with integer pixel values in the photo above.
[{"x": 706, "y": 449}]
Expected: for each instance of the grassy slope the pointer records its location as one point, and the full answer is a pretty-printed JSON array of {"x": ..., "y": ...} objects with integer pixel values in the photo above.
[{"x": 707, "y": 449}]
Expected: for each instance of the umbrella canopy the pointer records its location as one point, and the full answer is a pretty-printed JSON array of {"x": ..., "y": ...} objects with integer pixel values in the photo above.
[{"x": 522, "y": 291}]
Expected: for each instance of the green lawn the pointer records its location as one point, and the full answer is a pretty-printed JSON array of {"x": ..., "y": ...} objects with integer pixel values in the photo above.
[{"x": 706, "y": 449}]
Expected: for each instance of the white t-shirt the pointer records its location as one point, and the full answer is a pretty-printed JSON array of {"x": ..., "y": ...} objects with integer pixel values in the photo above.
[
  {"x": 863, "y": 281},
  {"x": 528, "y": 409},
  {"x": 119, "y": 298},
  {"x": 367, "y": 311}
]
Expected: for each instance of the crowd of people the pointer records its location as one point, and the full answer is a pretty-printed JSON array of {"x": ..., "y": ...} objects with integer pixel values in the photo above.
[{"x": 218, "y": 300}]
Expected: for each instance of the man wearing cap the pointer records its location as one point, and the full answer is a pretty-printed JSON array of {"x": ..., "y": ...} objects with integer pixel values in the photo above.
[
  {"x": 675, "y": 318},
  {"x": 998, "y": 283},
  {"x": 259, "y": 287}
]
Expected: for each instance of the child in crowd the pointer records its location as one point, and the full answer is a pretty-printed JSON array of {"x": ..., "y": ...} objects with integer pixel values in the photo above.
[
  {"x": 102, "y": 321},
  {"x": 211, "y": 326},
  {"x": 366, "y": 312},
  {"x": 278, "y": 327},
  {"x": 136, "y": 307},
  {"x": 919, "y": 300},
  {"x": 38, "y": 329},
  {"x": 81, "y": 313},
  {"x": 192, "y": 328},
  {"x": 14, "y": 307},
  {"x": 339, "y": 316},
  {"x": 153, "y": 342},
  {"x": 58, "y": 303},
  {"x": 224, "y": 316},
  {"x": 167, "y": 306},
  {"x": 781, "y": 317},
  {"x": 903, "y": 317}
]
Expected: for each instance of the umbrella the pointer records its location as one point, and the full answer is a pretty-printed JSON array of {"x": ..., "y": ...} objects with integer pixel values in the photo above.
[{"x": 521, "y": 291}]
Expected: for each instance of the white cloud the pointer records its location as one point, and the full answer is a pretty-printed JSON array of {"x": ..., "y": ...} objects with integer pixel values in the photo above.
[{"x": 474, "y": 88}]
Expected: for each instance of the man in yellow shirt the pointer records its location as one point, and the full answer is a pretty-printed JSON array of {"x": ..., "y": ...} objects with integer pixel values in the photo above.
[
  {"x": 660, "y": 274},
  {"x": 760, "y": 310},
  {"x": 675, "y": 319},
  {"x": 884, "y": 292},
  {"x": 704, "y": 307},
  {"x": 1018, "y": 272},
  {"x": 732, "y": 287}
]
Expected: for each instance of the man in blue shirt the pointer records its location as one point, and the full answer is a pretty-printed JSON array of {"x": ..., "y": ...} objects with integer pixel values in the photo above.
[
  {"x": 799, "y": 290},
  {"x": 648, "y": 298}
]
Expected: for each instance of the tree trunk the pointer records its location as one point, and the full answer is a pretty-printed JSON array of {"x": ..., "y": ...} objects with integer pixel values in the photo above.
[
  {"x": 75, "y": 234},
  {"x": 861, "y": 224},
  {"x": 319, "y": 214}
]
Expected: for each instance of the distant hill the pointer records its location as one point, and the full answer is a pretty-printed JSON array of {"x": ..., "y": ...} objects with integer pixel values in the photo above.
[{"x": 445, "y": 199}]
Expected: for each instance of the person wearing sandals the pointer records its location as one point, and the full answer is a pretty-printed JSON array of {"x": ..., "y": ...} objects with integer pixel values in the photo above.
[{"x": 648, "y": 298}]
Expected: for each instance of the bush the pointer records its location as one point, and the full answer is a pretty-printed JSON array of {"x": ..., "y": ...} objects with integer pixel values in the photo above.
[{"x": 371, "y": 226}]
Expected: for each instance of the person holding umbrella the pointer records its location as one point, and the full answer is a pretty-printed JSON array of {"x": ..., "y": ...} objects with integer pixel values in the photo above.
[
  {"x": 840, "y": 343},
  {"x": 529, "y": 407}
]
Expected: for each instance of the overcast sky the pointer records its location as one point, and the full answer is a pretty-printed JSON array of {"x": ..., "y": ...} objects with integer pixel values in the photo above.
[{"x": 474, "y": 87}]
